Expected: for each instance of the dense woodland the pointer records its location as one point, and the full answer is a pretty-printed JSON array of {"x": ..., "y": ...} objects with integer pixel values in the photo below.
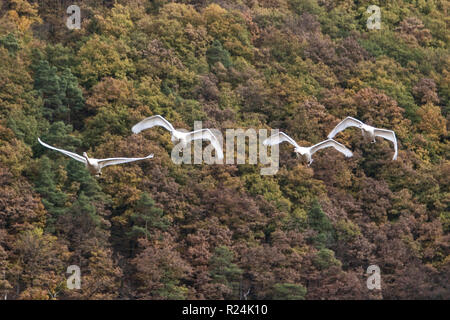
[{"x": 156, "y": 230}]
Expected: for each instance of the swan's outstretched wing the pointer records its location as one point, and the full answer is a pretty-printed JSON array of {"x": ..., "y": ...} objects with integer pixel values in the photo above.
[
  {"x": 67, "y": 153},
  {"x": 151, "y": 122},
  {"x": 331, "y": 143},
  {"x": 208, "y": 135},
  {"x": 389, "y": 135},
  {"x": 347, "y": 122},
  {"x": 112, "y": 161},
  {"x": 279, "y": 138}
]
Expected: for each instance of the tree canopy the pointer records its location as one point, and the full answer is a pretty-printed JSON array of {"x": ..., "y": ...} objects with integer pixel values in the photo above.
[{"x": 158, "y": 230}]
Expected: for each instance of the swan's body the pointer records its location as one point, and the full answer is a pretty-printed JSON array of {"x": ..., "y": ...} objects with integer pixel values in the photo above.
[
  {"x": 372, "y": 132},
  {"x": 307, "y": 151},
  {"x": 93, "y": 165},
  {"x": 178, "y": 136}
]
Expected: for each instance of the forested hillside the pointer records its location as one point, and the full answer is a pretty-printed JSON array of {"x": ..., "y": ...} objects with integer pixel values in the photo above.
[{"x": 157, "y": 230}]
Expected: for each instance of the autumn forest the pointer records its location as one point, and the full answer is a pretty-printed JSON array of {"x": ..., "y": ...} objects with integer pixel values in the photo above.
[{"x": 155, "y": 229}]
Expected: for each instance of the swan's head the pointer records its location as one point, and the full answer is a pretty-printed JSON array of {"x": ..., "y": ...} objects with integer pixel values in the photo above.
[
  {"x": 98, "y": 172},
  {"x": 181, "y": 141},
  {"x": 85, "y": 155}
]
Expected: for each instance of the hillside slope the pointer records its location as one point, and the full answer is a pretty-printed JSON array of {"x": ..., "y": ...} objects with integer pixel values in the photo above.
[{"x": 157, "y": 230}]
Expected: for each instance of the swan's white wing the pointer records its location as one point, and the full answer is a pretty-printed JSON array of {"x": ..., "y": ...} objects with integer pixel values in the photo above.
[
  {"x": 208, "y": 135},
  {"x": 279, "y": 138},
  {"x": 112, "y": 161},
  {"x": 389, "y": 135},
  {"x": 347, "y": 122},
  {"x": 151, "y": 122},
  {"x": 67, "y": 153},
  {"x": 331, "y": 143}
]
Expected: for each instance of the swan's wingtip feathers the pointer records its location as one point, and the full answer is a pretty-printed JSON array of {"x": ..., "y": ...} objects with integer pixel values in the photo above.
[
  {"x": 135, "y": 129},
  {"x": 42, "y": 143},
  {"x": 352, "y": 118},
  {"x": 347, "y": 152}
]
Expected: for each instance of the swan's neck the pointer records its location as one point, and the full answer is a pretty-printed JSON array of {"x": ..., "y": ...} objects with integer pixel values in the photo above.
[
  {"x": 367, "y": 128},
  {"x": 178, "y": 135},
  {"x": 86, "y": 157}
]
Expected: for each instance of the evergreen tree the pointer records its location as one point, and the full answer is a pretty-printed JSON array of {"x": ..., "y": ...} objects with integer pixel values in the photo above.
[
  {"x": 77, "y": 173},
  {"x": 59, "y": 135},
  {"x": 325, "y": 259},
  {"x": 289, "y": 291},
  {"x": 216, "y": 53},
  {"x": 147, "y": 217},
  {"x": 52, "y": 197},
  {"x": 10, "y": 43},
  {"x": 48, "y": 83},
  {"x": 60, "y": 92},
  {"x": 224, "y": 271},
  {"x": 319, "y": 222},
  {"x": 72, "y": 97}
]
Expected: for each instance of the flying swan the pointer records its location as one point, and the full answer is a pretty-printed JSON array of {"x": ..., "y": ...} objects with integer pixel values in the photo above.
[
  {"x": 306, "y": 151},
  {"x": 366, "y": 129},
  {"x": 95, "y": 165},
  {"x": 183, "y": 137}
]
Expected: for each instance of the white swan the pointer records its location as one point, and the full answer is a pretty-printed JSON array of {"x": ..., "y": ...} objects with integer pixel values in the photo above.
[
  {"x": 94, "y": 165},
  {"x": 371, "y": 131},
  {"x": 183, "y": 137},
  {"x": 307, "y": 151}
]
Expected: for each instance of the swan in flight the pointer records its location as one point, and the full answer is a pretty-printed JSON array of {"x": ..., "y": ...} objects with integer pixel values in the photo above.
[
  {"x": 183, "y": 137},
  {"x": 94, "y": 165},
  {"x": 306, "y": 151},
  {"x": 372, "y": 131}
]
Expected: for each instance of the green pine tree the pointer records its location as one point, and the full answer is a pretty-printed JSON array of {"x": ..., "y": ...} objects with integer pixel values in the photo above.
[
  {"x": 216, "y": 53},
  {"x": 52, "y": 197},
  {"x": 147, "y": 217},
  {"x": 63, "y": 98},
  {"x": 289, "y": 291},
  {"x": 48, "y": 83},
  {"x": 10, "y": 43},
  {"x": 224, "y": 271},
  {"x": 318, "y": 221}
]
